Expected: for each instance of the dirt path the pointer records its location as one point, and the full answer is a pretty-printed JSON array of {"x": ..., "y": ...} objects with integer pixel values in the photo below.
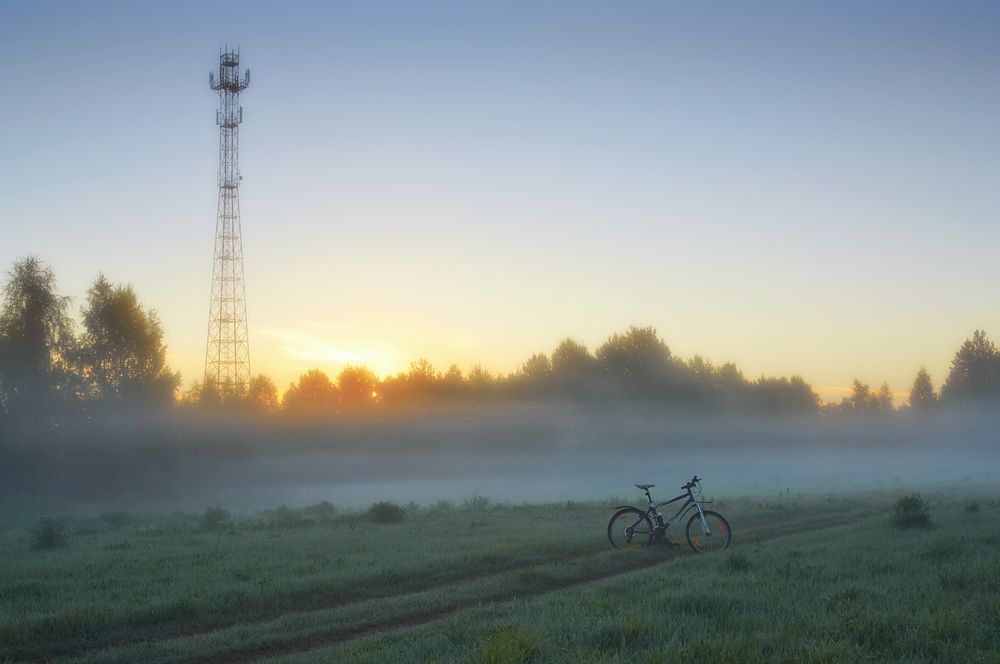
[
  {"x": 314, "y": 601},
  {"x": 305, "y": 639},
  {"x": 319, "y": 639},
  {"x": 323, "y": 638}
]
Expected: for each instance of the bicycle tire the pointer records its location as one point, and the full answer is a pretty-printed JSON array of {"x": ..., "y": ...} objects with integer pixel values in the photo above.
[
  {"x": 696, "y": 534},
  {"x": 620, "y": 521}
]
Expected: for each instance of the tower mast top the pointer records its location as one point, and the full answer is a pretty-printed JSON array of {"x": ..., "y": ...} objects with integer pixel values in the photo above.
[{"x": 229, "y": 73}]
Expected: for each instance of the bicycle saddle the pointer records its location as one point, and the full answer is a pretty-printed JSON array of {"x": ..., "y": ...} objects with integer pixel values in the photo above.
[{"x": 644, "y": 486}]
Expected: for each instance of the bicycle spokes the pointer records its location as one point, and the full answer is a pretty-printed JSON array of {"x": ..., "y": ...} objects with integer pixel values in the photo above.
[{"x": 708, "y": 532}]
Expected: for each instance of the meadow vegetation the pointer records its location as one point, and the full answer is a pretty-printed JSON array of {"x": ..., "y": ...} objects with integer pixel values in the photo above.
[
  {"x": 861, "y": 592},
  {"x": 481, "y": 581}
]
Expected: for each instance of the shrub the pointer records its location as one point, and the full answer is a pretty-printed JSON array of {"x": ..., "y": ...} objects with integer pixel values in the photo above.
[
  {"x": 48, "y": 534},
  {"x": 386, "y": 512},
  {"x": 911, "y": 512},
  {"x": 972, "y": 508},
  {"x": 214, "y": 518},
  {"x": 511, "y": 643},
  {"x": 286, "y": 517},
  {"x": 323, "y": 511},
  {"x": 441, "y": 507}
]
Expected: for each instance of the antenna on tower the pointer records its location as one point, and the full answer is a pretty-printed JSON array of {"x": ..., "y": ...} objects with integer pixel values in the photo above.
[{"x": 227, "y": 357}]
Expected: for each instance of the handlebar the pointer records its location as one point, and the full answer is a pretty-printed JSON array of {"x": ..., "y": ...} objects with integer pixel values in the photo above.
[{"x": 694, "y": 480}]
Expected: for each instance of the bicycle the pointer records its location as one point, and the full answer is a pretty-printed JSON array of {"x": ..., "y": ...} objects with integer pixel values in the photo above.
[{"x": 707, "y": 531}]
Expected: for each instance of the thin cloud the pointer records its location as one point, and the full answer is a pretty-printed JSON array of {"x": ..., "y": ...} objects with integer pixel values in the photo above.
[{"x": 311, "y": 350}]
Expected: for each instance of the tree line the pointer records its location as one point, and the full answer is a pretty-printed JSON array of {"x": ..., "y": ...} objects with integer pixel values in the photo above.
[{"x": 52, "y": 373}]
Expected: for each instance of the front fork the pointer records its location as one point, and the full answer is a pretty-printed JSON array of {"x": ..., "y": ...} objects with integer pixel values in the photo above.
[{"x": 701, "y": 517}]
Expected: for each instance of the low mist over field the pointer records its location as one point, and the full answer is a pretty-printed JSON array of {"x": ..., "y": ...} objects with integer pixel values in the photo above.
[
  {"x": 507, "y": 453},
  {"x": 93, "y": 418}
]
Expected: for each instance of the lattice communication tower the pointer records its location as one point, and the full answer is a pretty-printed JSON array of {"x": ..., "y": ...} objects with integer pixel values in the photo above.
[{"x": 227, "y": 358}]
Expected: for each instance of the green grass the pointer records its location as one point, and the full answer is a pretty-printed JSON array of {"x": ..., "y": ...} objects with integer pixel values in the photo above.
[
  {"x": 480, "y": 583},
  {"x": 865, "y": 592}
]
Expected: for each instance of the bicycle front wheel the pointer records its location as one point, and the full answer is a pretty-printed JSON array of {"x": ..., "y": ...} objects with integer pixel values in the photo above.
[
  {"x": 713, "y": 535},
  {"x": 630, "y": 528}
]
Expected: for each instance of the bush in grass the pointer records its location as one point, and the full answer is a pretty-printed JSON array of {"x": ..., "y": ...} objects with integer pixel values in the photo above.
[
  {"x": 214, "y": 518},
  {"x": 511, "y": 643},
  {"x": 116, "y": 519},
  {"x": 48, "y": 534},
  {"x": 386, "y": 512},
  {"x": 286, "y": 517},
  {"x": 323, "y": 511},
  {"x": 911, "y": 512},
  {"x": 442, "y": 507},
  {"x": 972, "y": 508}
]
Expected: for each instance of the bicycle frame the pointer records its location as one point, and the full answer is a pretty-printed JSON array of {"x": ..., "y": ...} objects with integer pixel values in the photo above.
[{"x": 657, "y": 517}]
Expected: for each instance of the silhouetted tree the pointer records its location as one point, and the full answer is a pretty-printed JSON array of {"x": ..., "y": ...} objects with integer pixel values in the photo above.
[
  {"x": 452, "y": 382},
  {"x": 922, "y": 394},
  {"x": 733, "y": 384},
  {"x": 975, "y": 371},
  {"x": 417, "y": 384},
  {"x": 729, "y": 375},
  {"x": 638, "y": 352},
  {"x": 210, "y": 397},
  {"x": 421, "y": 375},
  {"x": 861, "y": 396},
  {"x": 571, "y": 358},
  {"x": 357, "y": 387},
  {"x": 36, "y": 343},
  {"x": 312, "y": 396},
  {"x": 121, "y": 356},
  {"x": 482, "y": 381},
  {"x": 704, "y": 376},
  {"x": 883, "y": 399},
  {"x": 573, "y": 368},
  {"x": 702, "y": 370},
  {"x": 193, "y": 396},
  {"x": 536, "y": 369},
  {"x": 263, "y": 394},
  {"x": 783, "y": 395},
  {"x": 864, "y": 400},
  {"x": 534, "y": 378}
]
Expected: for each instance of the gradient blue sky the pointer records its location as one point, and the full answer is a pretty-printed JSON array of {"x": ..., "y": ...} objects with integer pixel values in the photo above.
[{"x": 797, "y": 187}]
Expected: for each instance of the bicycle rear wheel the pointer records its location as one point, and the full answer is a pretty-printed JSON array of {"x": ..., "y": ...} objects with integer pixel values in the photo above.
[
  {"x": 716, "y": 539},
  {"x": 630, "y": 528}
]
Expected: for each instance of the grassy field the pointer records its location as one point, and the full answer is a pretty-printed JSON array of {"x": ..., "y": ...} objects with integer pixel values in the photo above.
[{"x": 820, "y": 579}]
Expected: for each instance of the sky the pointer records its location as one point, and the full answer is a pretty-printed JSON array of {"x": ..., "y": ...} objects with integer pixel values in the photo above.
[{"x": 798, "y": 187}]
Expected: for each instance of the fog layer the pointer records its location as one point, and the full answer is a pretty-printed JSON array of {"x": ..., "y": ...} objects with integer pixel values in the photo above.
[{"x": 508, "y": 453}]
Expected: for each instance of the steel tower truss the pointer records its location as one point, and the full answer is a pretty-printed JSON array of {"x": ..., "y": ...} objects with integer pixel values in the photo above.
[{"x": 227, "y": 358}]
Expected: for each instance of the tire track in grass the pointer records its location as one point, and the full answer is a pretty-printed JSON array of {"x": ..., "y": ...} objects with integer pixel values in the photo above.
[
  {"x": 466, "y": 581},
  {"x": 306, "y": 602},
  {"x": 507, "y": 589},
  {"x": 115, "y": 643}
]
